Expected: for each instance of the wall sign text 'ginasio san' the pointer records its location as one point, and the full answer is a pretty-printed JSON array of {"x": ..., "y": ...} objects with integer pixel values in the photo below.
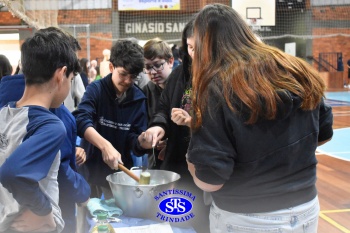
[{"x": 154, "y": 27}]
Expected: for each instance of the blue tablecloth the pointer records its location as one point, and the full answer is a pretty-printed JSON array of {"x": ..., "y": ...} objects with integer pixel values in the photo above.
[
  {"x": 97, "y": 205},
  {"x": 130, "y": 222}
]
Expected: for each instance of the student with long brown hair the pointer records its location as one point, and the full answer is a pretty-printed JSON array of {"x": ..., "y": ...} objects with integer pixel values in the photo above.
[{"x": 258, "y": 117}]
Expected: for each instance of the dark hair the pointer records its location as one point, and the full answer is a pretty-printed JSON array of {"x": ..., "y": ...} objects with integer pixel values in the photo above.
[
  {"x": 83, "y": 63},
  {"x": 48, "y": 50},
  {"x": 18, "y": 68},
  {"x": 98, "y": 70},
  {"x": 229, "y": 57},
  {"x": 5, "y": 66},
  {"x": 185, "y": 56},
  {"x": 175, "y": 51},
  {"x": 181, "y": 52},
  {"x": 75, "y": 44},
  {"x": 129, "y": 55}
]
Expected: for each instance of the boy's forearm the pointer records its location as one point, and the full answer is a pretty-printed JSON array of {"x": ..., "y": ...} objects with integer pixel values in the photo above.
[{"x": 92, "y": 136}]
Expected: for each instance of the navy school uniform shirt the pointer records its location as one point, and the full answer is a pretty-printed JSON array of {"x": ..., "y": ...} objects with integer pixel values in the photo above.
[
  {"x": 118, "y": 122},
  {"x": 72, "y": 186}
]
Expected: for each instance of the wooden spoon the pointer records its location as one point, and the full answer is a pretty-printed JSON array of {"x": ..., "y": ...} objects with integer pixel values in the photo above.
[
  {"x": 144, "y": 179},
  {"x": 129, "y": 173}
]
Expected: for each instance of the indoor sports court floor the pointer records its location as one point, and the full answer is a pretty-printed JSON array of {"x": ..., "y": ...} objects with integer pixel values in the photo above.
[{"x": 333, "y": 169}]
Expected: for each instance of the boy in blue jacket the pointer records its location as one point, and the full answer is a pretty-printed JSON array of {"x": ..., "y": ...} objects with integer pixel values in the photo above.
[
  {"x": 32, "y": 136},
  {"x": 111, "y": 116},
  {"x": 73, "y": 188}
]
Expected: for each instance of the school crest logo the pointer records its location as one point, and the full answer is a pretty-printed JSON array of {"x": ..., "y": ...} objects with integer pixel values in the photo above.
[{"x": 175, "y": 205}]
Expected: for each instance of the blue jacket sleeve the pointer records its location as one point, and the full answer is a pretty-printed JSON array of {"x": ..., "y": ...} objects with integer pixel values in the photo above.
[
  {"x": 30, "y": 162},
  {"x": 72, "y": 185},
  {"x": 85, "y": 114}
]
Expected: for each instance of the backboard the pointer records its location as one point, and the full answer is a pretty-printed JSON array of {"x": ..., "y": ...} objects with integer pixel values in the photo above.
[{"x": 256, "y": 12}]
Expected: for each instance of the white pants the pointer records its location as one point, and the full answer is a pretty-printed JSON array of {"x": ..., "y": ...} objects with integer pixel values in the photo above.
[{"x": 298, "y": 219}]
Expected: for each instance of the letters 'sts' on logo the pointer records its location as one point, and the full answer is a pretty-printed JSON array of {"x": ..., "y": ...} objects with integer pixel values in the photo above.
[{"x": 175, "y": 206}]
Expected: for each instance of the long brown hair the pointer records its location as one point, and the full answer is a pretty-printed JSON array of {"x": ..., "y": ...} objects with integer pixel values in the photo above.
[{"x": 228, "y": 54}]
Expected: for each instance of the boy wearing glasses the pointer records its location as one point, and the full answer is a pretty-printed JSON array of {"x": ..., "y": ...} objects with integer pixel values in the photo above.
[
  {"x": 111, "y": 116},
  {"x": 159, "y": 63}
]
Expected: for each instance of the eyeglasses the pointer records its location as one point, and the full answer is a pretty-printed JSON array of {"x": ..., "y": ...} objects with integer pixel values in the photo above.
[
  {"x": 155, "y": 67},
  {"x": 125, "y": 75}
]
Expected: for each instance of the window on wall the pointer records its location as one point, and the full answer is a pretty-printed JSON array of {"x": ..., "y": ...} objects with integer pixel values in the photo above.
[
  {"x": 329, "y": 2},
  {"x": 84, "y": 4}
]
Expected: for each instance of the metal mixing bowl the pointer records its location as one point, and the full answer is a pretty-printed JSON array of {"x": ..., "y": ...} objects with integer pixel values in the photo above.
[{"x": 140, "y": 200}]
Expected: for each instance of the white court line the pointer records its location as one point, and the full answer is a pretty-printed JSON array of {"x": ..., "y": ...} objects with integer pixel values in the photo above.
[
  {"x": 319, "y": 151},
  {"x": 335, "y": 152}
]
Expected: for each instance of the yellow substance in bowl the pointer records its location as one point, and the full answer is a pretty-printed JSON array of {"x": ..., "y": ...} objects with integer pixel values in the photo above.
[{"x": 145, "y": 178}]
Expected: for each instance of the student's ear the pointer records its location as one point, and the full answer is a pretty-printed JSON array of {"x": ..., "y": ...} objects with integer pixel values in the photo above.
[
  {"x": 171, "y": 61},
  {"x": 111, "y": 67},
  {"x": 61, "y": 74},
  {"x": 64, "y": 71}
]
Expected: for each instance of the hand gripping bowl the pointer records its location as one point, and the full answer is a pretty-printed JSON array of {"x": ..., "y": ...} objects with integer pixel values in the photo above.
[{"x": 137, "y": 200}]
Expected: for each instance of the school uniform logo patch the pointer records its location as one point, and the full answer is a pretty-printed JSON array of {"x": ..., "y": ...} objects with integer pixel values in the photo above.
[{"x": 4, "y": 142}]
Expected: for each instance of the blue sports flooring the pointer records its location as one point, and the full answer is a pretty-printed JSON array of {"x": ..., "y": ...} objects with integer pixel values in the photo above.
[
  {"x": 338, "y": 98},
  {"x": 339, "y": 146}
]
